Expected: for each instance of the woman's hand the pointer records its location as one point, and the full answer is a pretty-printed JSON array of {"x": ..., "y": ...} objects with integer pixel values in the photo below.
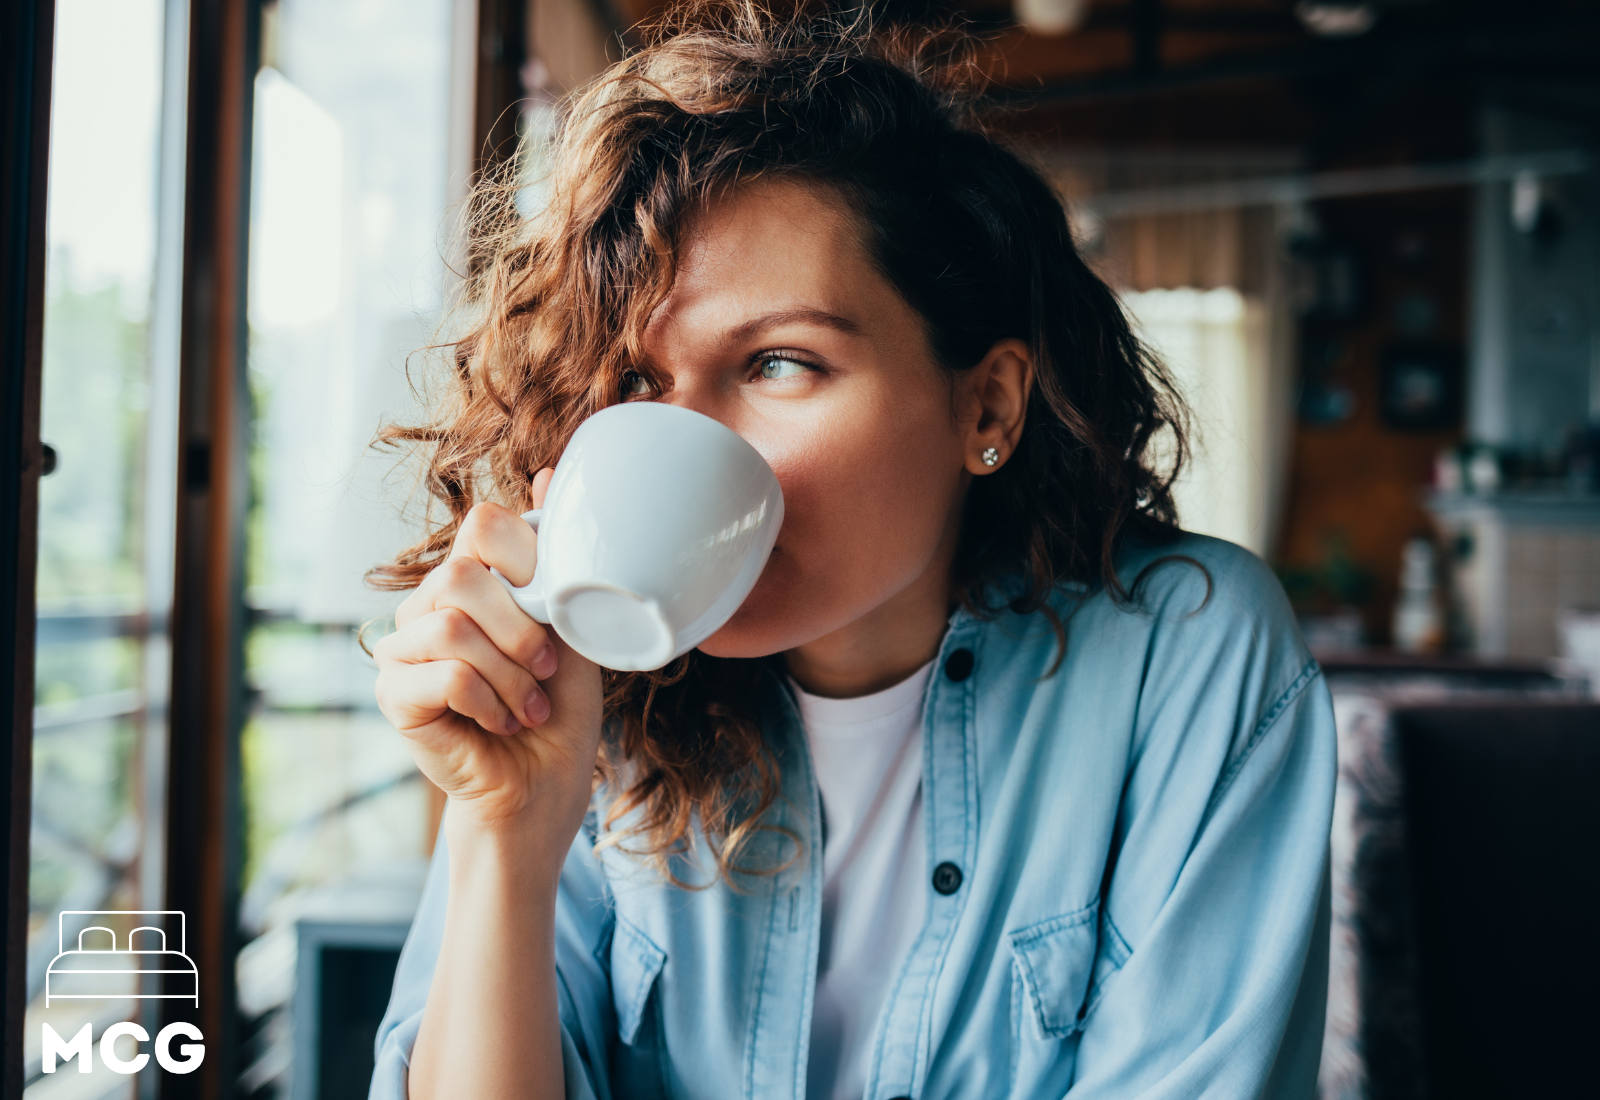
[{"x": 500, "y": 713}]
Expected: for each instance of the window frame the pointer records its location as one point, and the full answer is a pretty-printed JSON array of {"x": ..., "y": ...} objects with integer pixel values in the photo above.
[{"x": 27, "y": 29}]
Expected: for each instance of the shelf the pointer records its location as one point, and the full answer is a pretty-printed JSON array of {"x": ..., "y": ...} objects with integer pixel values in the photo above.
[{"x": 1531, "y": 507}]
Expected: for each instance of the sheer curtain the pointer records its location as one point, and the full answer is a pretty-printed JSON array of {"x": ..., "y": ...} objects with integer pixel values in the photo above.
[
  {"x": 1222, "y": 350},
  {"x": 1202, "y": 275}
]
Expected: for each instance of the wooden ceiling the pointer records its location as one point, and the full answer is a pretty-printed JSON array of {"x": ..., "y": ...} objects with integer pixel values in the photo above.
[{"x": 1170, "y": 47}]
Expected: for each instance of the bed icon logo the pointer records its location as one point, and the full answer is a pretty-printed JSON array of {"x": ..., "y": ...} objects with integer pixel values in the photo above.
[{"x": 94, "y": 964}]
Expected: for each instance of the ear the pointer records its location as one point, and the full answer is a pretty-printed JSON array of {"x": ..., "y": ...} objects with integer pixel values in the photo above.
[{"x": 994, "y": 402}]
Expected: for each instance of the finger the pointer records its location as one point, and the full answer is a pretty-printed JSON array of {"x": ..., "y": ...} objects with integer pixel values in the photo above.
[
  {"x": 451, "y": 633},
  {"x": 541, "y": 485},
  {"x": 414, "y": 698},
  {"x": 466, "y": 583},
  {"x": 498, "y": 537},
  {"x": 511, "y": 545}
]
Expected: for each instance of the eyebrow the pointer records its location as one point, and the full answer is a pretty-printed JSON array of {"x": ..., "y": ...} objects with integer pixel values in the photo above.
[{"x": 796, "y": 315}]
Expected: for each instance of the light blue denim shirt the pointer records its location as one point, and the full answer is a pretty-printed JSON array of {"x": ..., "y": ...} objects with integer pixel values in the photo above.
[{"x": 1126, "y": 867}]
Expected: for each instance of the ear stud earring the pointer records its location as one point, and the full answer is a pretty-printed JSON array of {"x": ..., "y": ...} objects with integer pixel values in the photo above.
[{"x": 990, "y": 456}]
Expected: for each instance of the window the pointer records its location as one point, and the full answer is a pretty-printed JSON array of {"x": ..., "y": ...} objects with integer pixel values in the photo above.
[
  {"x": 328, "y": 171},
  {"x": 104, "y": 578}
]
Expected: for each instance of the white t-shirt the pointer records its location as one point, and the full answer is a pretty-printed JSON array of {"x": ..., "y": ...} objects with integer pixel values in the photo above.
[{"x": 868, "y": 756}]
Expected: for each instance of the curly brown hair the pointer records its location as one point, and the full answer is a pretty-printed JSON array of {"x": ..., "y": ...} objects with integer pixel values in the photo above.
[{"x": 971, "y": 235}]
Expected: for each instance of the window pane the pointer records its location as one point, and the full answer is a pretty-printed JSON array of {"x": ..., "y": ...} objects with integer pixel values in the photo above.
[
  {"x": 105, "y": 513},
  {"x": 351, "y": 183}
]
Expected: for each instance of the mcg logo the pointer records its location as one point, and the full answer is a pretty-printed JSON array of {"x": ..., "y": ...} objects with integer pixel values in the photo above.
[{"x": 97, "y": 969}]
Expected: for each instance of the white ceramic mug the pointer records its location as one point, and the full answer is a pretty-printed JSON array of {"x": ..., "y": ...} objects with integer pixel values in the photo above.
[{"x": 656, "y": 525}]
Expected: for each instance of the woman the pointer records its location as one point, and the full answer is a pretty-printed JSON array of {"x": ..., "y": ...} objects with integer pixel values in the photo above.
[{"x": 998, "y": 784}]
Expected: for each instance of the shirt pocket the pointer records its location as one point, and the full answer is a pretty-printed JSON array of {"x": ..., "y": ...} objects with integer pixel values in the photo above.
[
  {"x": 639, "y": 1055},
  {"x": 1052, "y": 967}
]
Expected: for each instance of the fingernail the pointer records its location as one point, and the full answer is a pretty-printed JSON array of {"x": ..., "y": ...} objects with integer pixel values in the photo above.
[
  {"x": 513, "y": 725},
  {"x": 544, "y": 661},
  {"x": 537, "y": 707}
]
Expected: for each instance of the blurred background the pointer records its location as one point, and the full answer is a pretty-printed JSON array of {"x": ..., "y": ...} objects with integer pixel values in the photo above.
[{"x": 1364, "y": 234}]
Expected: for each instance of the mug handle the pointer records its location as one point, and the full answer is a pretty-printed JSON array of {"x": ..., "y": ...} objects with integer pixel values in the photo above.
[{"x": 530, "y": 597}]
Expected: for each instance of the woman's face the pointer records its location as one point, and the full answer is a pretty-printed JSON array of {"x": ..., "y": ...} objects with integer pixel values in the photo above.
[{"x": 853, "y": 414}]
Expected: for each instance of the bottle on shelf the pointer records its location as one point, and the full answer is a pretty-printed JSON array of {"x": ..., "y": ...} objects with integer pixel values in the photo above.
[{"x": 1418, "y": 620}]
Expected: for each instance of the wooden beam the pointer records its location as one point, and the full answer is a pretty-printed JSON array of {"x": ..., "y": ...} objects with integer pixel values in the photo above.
[
  {"x": 502, "y": 48},
  {"x": 204, "y": 838},
  {"x": 1533, "y": 47}
]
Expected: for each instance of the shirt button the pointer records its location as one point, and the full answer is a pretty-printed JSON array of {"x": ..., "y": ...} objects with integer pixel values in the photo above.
[
  {"x": 958, "y": 666},
  {"x": 946, "y": 878}
]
